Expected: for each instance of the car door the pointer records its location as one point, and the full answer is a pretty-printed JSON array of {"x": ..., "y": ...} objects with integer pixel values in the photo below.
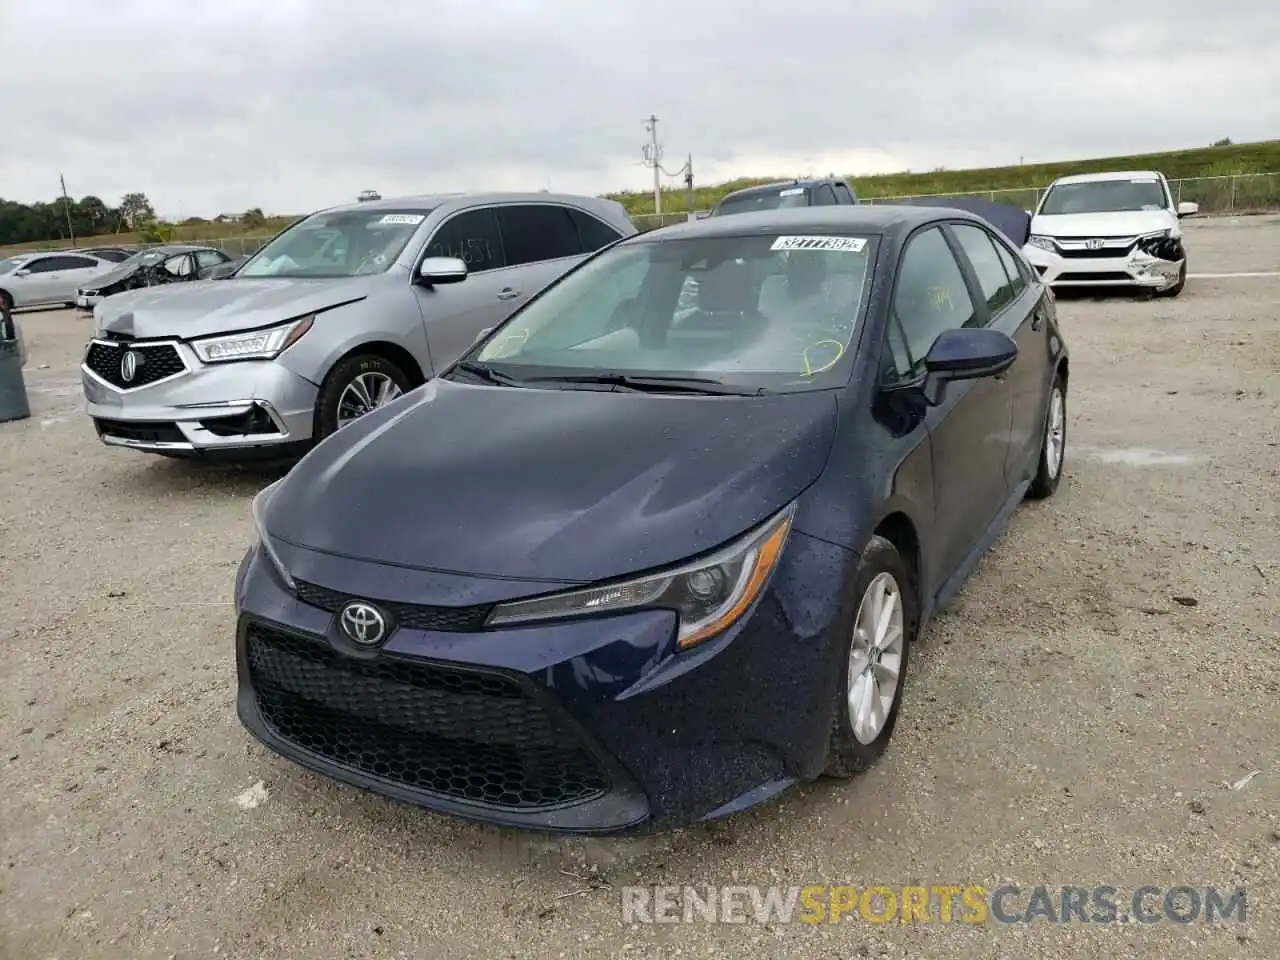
[
  {"x": 541, "y": 242},
  {"x": 456, "y": 313},
  {"x": 969, "y": 429},
  {"x": 35, "y": 281},
  {"x": 73, "y": 273}
]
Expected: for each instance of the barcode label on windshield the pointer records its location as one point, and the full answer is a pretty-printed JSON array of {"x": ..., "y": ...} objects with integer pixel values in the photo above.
[
  {"x": 846, "y": 244},
  {"x": 792, "y": 192},
  {"x": 411, "y": 219}
]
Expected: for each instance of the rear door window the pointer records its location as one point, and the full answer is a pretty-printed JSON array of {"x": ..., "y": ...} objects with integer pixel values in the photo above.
[
  {"x": 592, "y": 232},
  {"x": 532, "y": 233}
]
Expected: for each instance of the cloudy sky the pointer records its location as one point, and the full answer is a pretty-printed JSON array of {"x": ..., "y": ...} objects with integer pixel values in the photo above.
[{"x": 295, "y": 104}]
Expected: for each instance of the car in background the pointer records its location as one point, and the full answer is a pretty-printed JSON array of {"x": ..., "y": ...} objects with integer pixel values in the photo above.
[
  {"x": 1110, "y": 229},
  {"x": 46, "y": 279},
  {"x": 787, "y": 193},
  {"x": 627, "y": 562},
  {"x": 340, "y": 313},
  {"x": 111, "y": 254},
  {"x": 220, "y": 271},
  {"x": 154, "y": 266}
]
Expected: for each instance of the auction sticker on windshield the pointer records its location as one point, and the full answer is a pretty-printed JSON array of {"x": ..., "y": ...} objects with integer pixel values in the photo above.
[
  {"x": 412, "y": 219},
  {"x": 792, "y": 192},
  {"x": 846, "y": 244}
]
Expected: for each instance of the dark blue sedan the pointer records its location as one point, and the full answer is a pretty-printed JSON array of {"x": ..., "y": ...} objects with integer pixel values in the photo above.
[{"x": 658, "y": 546}]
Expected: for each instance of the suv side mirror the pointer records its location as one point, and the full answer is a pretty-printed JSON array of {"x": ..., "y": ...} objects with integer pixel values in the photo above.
[
  {"x": 22, "y": 272},
  {"x": 436, "y": 270},
  {"x": 1188, "y": 209},
  {"x": 965, "y": 354}
]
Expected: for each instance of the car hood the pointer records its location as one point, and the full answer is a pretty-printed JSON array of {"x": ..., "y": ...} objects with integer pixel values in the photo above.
[
  {"x": 566, "y": 485},
  {"x": 109, "y": 276},
  {"x": 1117, "y": 224},
  {"x": 201, "y": 307}
]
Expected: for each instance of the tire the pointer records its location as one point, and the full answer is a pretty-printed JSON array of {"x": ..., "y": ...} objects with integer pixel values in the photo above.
[
  {"x": 6, "y": 301},
  {"x": 1049, "y": 471},
  {"x": 881, "y": 565},
  {"x": 1182, "y": 282},
  {"x": 334, "y": 405}
]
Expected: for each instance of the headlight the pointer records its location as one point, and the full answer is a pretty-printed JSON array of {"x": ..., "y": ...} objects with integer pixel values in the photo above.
[
  {"x": 708, "y": 594},
  {"x": 256, "y": 345},
  {"x": 258, "y": 506},
  {"x": 1044, "y": 243}
]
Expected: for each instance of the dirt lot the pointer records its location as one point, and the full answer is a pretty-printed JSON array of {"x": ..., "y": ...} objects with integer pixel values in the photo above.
[{"x": 1069, "y": 720}]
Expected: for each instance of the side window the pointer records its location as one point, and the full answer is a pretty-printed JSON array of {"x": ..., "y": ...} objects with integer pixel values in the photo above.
[
  {"x": 179, "y": 266},
  {"x": 843, "y": 193},
  {"x": 824, "y": 196},
  {"x": 1013, "y": 266},
  {"x": 535, "y": 232},
  {"x": 209, "y": 258},
  {"x": 593, "y": 233},
  {"x": 471, "y": 236},
  {"x": 931, "y": 296},
  {"x": 41, "y": 265},
  {"x": 978, "y": 246}
]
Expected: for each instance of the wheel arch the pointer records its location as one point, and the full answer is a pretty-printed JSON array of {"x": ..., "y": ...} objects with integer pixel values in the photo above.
[{"x": 391, "y": 352}]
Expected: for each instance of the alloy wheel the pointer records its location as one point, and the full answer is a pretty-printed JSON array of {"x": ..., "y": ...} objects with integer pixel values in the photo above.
[
  {"x": 365, "y": 393},
  {"x": 875, "y": 658},
  {"x": 1055, "y": 440}
]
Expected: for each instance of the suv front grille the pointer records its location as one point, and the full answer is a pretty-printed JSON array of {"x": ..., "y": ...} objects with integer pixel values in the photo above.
[
  {"x": 469, "y": 735},
  {"x": 410, "y": 615},
  {"x": 155, "y": 362}
]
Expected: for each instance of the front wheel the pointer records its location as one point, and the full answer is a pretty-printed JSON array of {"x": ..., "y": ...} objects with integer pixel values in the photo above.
[
  {"x": 874, "y": 668},
  {"x": 1182, "y": 281},
  {"x": 356, "y": 386},
  {"x": 1053, "y": 446}
]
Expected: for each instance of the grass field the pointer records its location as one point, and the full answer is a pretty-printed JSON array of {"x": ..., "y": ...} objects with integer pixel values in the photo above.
[{"x": 1217, "y": 161}]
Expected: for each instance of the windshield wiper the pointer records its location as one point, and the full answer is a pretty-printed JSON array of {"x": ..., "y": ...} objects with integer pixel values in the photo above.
[
  {"x": 654, "y": 383},
  {"x": 487, "y": 373}
]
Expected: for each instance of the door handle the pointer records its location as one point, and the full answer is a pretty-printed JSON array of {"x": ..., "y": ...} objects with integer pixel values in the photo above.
[{"x": 506, "y": 293}]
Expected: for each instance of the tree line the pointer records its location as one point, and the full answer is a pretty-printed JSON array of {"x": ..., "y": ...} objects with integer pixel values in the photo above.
[{"x": 89, "y": 216}]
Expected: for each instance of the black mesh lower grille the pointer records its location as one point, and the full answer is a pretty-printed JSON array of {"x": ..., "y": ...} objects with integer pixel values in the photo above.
[
  {"x": 409, "y": 615},
  {"x": 146, "y": 431},
  {"x": 464, "y": 735}
]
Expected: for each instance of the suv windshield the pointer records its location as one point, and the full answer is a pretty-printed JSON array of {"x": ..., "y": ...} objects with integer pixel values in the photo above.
[
  {"x": 754, "y": 312},
  {"x": 774, "y": 198},
  {"x": 1105, "y": 196},
  {"x": 345, "y": 243}
]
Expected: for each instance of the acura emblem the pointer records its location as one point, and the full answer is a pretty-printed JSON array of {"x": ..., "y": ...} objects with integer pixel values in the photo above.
[
  {"x": 362, "y": 623},
  {"x": 129, "y": 364}
]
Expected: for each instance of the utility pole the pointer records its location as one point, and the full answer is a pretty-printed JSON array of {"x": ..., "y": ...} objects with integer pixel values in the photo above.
[
  {"x": 653, "y": 158},
  {"x": 66, "y": 207},
  {"x": 688, "y": 182}
]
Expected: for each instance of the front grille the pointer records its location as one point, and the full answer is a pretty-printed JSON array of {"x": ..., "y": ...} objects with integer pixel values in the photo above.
[
  {"x": 1095, "y": 275},
  {"x": 411, "y": 615},
  {"x": 466, "y": 735},
  {"x": 155, "y": 362},
  {"x": 146, "y": 431},
  {"x": 1102, "y": 252}
]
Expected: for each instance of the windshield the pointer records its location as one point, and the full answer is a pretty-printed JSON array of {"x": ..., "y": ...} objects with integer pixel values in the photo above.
[
  {"x": 765, "y": 311},
  {"x": 349, "y": 243},
  {"x": 1105, "y": 196},
  {"x": 772, "y": 199},
  {"x": 8, "y": 266}
]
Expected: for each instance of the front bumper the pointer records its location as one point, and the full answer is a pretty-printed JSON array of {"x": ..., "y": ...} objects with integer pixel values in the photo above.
[
  {"x": 589, "y": 726},
  {"x": 239, "y": 410},
  {"x": 1135, "y": 268},
  {"x": 87, "y": 300}
]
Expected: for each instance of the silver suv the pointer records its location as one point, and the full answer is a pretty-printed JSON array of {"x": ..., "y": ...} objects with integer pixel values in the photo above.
[{"x": 342, "y": 312}]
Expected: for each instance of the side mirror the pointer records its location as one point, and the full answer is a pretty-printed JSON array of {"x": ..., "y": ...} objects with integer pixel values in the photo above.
[
  {"x": 1188, "y": 209},
  {"x": 481, "y": 335},
  {"x": 436, "y": 270},
  {"x": 23, "y": 272},
  {"x": 966, "y": 354}
]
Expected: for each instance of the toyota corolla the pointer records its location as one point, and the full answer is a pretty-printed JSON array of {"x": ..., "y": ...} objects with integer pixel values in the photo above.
[{"x": 644, "y": 556}]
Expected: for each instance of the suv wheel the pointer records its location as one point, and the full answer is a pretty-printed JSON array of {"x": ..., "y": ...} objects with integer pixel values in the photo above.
[{"x": 356, "y": 386}]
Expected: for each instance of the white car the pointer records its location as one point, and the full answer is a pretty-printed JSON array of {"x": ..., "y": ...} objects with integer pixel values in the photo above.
[{"x": 1106, "y": 229}]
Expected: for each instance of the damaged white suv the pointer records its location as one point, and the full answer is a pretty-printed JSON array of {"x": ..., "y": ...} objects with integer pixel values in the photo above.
[{"x": 1104, "y": 229}]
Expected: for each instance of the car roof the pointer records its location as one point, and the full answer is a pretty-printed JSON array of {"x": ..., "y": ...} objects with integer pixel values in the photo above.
[
  {"x": 779, "y": 184},
  {"x": 1109, "y": 175},
  {"x": 866, "y": 219},
  {"x": 429, "y": 201}
]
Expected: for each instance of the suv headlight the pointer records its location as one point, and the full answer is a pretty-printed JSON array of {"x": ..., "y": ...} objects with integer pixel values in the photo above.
[
  {"x": 708, "y": 594},
  {"x": 1042, "y": 242},
  {"x": 254, "y": 345},
  {"x": 256, "y": 509}
]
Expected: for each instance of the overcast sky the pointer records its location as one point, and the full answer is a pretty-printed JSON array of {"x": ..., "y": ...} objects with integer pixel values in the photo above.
[{"x": 295, "y": 104}]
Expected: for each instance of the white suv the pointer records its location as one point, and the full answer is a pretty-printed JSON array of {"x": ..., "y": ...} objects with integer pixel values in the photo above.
[{"x": 1102, "y": 229}]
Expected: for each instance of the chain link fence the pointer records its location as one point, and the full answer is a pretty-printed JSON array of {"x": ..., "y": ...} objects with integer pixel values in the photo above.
[{"x": 1217, "y": 196}]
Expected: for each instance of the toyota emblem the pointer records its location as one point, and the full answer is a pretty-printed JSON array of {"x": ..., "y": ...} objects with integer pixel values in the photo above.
[
  {"x": 363, "y": 623},
  {"x": 129, "y": 364}
]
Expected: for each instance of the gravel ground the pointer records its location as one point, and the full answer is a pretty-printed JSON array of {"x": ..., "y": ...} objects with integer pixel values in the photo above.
[{"x": 1070, "y": 720}]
